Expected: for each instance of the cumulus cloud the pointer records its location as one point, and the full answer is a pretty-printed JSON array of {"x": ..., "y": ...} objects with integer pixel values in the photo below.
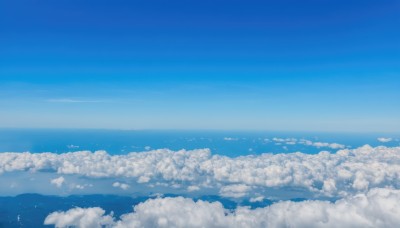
[
  {"x": 334, "y": 146},
  {"x": 123, "y": 186},
  {"x": 234, "y": 191},
  {"x": 78, "y": 186},
  {"x": 256, "y": 199},
  {"x": 58, "y": 181},
  {"x": 376, "y": 208},
  {"x": 193, "y": 188},
  {"x": 324, "y": 174},
  {"x": 79, "y": 217},
  {"x": 384, "y": 140}
]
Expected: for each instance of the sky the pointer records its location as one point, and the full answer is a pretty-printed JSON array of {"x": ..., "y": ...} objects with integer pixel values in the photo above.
[{"x": 243, "y": 65}]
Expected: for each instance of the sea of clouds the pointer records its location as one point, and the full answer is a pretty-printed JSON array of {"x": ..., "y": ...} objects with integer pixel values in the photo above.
[
  {"x": 376, "y": 208},
  {"x": 325, "y": 174},
  {"x": 349, "y": 188}
]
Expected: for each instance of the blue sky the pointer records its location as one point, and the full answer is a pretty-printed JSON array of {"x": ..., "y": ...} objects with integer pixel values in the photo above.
[{"x": 265, "y": 65}]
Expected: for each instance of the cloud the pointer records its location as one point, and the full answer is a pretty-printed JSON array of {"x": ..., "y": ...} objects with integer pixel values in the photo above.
[
  {"x": 79, "y": 217},
  {"x": 334, "y": 146},
  {"x": 68, "y": 100},
  {"x": 234, "y": 191},
  {"x": 290, "y": 141},
  {"x": 72, "y": 146},
  {"x": 294, "y": 141},
  {"x": 193, "y": 188},
  {"x": 256, "y": 199},
  {"x": 123, "y": 186},
  {"x": 384, "y": 140},
  {"x": 230, "y": 139},
  {"x": 376, "y": 208},
  {"x": 324, "y": 174},
  {"x": 58, "y": 181}
]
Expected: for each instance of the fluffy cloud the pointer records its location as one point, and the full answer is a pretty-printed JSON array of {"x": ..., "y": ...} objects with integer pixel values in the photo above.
[
  {"x": 377, "y": 208},
  {"x": 79, "y": 217},
  {"x": 384, "y": 140},
  {"x": 58, "y": 181},
  {"x": 334, "y": 146},
  {"x": 323, "y": 174},
  {"x": 123, "y": 186},
  {"x": 234, "y": 191}
]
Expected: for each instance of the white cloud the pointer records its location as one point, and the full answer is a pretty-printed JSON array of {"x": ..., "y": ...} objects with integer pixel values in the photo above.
[
  {"x": 324, "y": 174},
  {"x": 230, "y": 139},
  {"x": 377, "y": 208},
  {"x": 334, "y": 146},
  {"x": 123, "y": 186},
  {"x": 58, "y": 181},
  {"x": 78, "y": 186},
  {"x": 72, "y": 146},
  {"x": 290, "y": 141},
  {"x": 294, "y": 141},
  {"x": 384, "y": 140},
  {"x": 69, "y": 100},
  {"x": 257, "y": 199},
  {"x": 235, "y": 190},
  {"x": 193, "y": 188},
  {"x": 79, "y": 217}
]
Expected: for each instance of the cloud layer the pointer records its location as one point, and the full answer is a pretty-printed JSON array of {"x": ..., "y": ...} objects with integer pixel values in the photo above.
[
  {"x": 294, "y": 141},
  {"x": 323, "y": 174},
  {"x": 384, "y": 140},
  {"x": 377, "y": 208}
]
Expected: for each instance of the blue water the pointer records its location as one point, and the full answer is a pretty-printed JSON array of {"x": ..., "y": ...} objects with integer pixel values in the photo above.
[{"x": 229, "y": 143}]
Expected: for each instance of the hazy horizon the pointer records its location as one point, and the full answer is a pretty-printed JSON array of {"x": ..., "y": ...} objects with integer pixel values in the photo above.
[{"x": 199, "y": 114}]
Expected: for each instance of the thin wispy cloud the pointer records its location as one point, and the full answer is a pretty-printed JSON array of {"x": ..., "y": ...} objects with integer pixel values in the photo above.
[
  {"x": 69, "y": 100},
  {"x": 384, "y": 140}
]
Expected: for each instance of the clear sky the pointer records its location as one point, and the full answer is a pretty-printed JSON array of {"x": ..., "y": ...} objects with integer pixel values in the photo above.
[{"x": 268, "y": 65}]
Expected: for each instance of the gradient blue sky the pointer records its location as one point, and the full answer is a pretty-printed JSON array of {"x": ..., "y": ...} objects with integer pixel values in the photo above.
[{"x": 267, "y": 65}]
